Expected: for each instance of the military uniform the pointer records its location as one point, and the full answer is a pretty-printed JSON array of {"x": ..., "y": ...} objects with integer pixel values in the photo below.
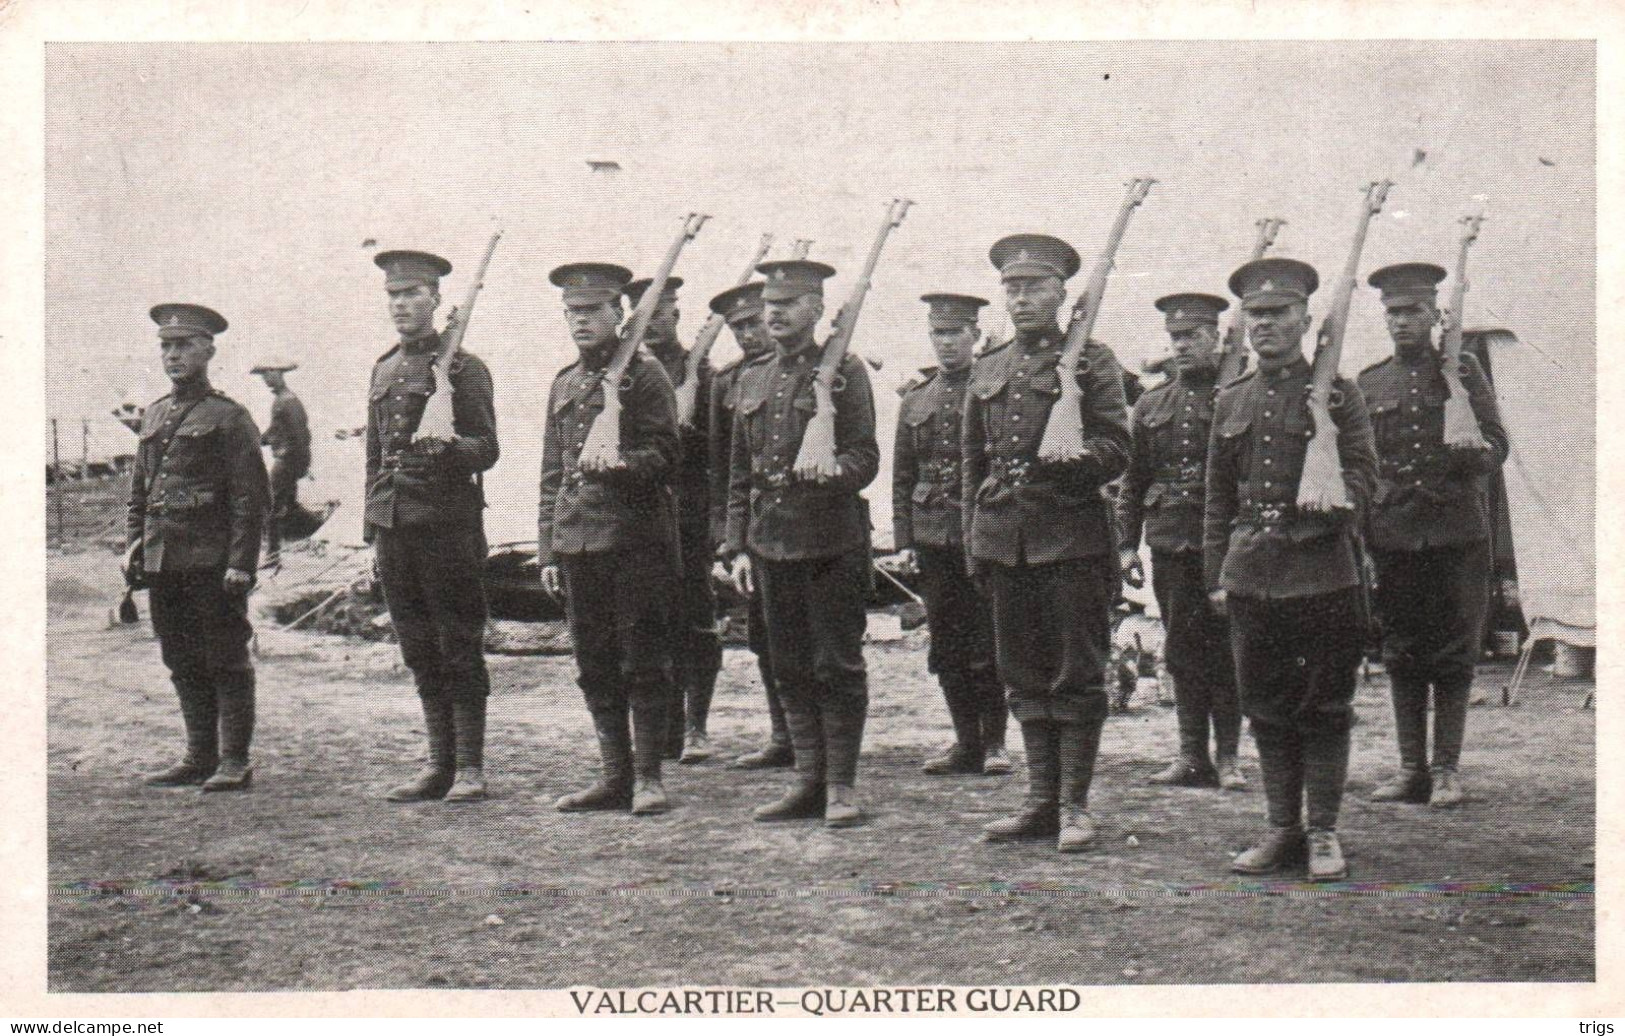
[
  {"x": 733, "y": 304},
  {"x": 611, "y": 534},
  {"x": 1041, "y": 536},
  {"x": 1292, "y": 578},
  {"x": 927, "y": 518},
  {"x": 1429, "y": 534},
  {"x": 1162, "y": 494},
  {"x": 424, "y": 514},
  {"x": 696, "y": 646},
  {"x": 198, "y": 500},
  {"x": 809, "y": 542},
  {"x": 288, "y": 436}
]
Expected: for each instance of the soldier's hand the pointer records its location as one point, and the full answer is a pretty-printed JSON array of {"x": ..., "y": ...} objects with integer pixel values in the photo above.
[
  {"x": 720, "y": 574},
  {"x": 1219, "y": 601},
  {"x": 1128, "y": 562},
  {"x": 595, "y": 467},
  {"x": 131, "y": 560},
  {"x": 744, "y": 579},
  {"x": 551, "y": 582},
  {"x": 237, "y": 581}
]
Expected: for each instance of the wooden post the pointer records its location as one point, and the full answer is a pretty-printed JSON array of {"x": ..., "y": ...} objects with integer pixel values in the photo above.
[{"x": 56, "y": 463}]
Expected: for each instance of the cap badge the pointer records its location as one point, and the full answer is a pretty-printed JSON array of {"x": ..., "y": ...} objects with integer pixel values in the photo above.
[
  {"x": 1268, "y": 285},
  {"x": 1024, "y": 256},
  {"x": 1179, "y": 314},
  {"x": 174, "y": 319}
]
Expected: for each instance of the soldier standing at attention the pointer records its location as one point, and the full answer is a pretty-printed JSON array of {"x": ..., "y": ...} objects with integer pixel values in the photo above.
[
  {"x": 741, "y": 307},
  {"x": 1162, "y": 492},
  {"x": 604, "y": 542},
  {"x": 198, "y": 499},
  {"x": 696, "y": 647},
  {"x": 289, "y": 438},
  {"x": 1288, "y": 579},
  {"x": 807, "y": 543},
  {"x": 928, "y": 532},
  {"x": 1429, "y": 534},
  {"x": 424, "y": 516},
  {"x": 1040, "y": 536}
]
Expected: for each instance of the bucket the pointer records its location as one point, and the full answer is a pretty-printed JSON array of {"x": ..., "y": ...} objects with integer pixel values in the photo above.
[{"x": 1570, "y": 662}]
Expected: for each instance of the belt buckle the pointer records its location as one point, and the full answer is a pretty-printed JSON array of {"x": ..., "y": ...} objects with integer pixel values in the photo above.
[
  {"x": 574, "y": 478},
  {"x": 1272, "y": 514}
]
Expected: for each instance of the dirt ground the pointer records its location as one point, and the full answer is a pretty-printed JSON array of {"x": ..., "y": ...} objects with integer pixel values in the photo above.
[{"x": 312, "y": 881}]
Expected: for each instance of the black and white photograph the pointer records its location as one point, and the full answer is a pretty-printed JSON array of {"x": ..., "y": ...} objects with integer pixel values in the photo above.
[{"x": 1029, "y": 517}]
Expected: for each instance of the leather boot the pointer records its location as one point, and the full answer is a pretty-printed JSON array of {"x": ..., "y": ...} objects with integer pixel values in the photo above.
[
  {"x": 967, "y": 753},
  {"x": 844, "y": 717},
  {"x": 995, "y": 717},
  {"x": 1325, "y": 771},
  {"x": 1450, "y": 698},
  {"x": 199, "y": 714},
  {"x": 1227, "y": 744},
  {"x": 468, "y": 717},
  {"x": 650, "y": 732},
  {"x": 1188, "y": 771},
  {"x": 1040, "y": 811},
  {"x": 671, "y": 742},
  {"x": 234, "y": 695},
  {"x": 1079, "y": 745},
  {"x": 1280, "y": 757},
  {"x": 613, "y": 791},
  {"x": 1411, "y": 784},
  {"x": 1280, "y": 847},
  {"x": 778, "y": 751},
  {"x": 700, "y": 686},
  {"x": 436, "y": 779},
  {"x": 1326, "y": 861},
  {"x": 806, "y": 798}
]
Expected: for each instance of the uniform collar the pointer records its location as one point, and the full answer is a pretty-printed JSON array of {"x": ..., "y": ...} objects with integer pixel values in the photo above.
[
  {"x": 806, "y": 349},
  {"x": 597, "y": 357},
  {"x": 1044, "y": 340},
  {"x": 187, "y": 391},
  {"x": 1297, "y": 365},
  {"x": 424, "y": 344},
  {"x": 1202, "y": 381},
  {"x": 668, "y": 351},
  {"x": 956, "y": 377},
  {"x": 1421, "y": 357}
]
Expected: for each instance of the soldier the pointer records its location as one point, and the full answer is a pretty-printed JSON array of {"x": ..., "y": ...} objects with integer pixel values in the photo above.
[
  {"x": 741, "y": 307},
  {"x": 289, "y": 439},
  {"x": 928, "y": 531},
  {"x": 1288, "y": 578},
  {"x": 198, "y": 499},
  {"x": 696, "y": 647},
  {"x": 807, "y": 543},
  {"x": 424, "y": 515},
  {"x": 1040, "y": 537},
  {"x": 605, "y": 542},
  {"x": 1162, "y": 492},
  {"x": 1429, "y": 535}
]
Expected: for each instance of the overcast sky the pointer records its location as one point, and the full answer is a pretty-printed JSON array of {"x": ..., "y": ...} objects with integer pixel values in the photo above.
[{"x": 248, "y": 178}]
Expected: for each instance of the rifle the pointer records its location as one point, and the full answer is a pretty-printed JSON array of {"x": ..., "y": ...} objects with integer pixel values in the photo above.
[
  {"x": 1321, "y": 486},
  {"x": 1063, "y": 434},
  {"x": 816, "y": 458},
  {"x": 437, "y": 421},
  {"x": 688, "y": 391},
  {"x": 1234, "y": 361},
  {"x": 1460, "y": 423},
  {"x": 603, "y": 446}
]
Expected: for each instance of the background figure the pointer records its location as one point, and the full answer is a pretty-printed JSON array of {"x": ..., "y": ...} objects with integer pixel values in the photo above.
[
  {"x": 424, "y": 514},
  {"x": 696, "y": 646},
  {"x": 1429, "y": 534},
  {"x": 198, "y": 500},
  {"x": 804, "y": 543},
  {"x": 1039, "y": 534},
  {"x": 928, "y": 531},
  {"x": 288, "y": 435},
  {"x": 741, "y": 307},
  {"x": 1162, "y": 492},
  {"x": 604, "y": 542}
]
